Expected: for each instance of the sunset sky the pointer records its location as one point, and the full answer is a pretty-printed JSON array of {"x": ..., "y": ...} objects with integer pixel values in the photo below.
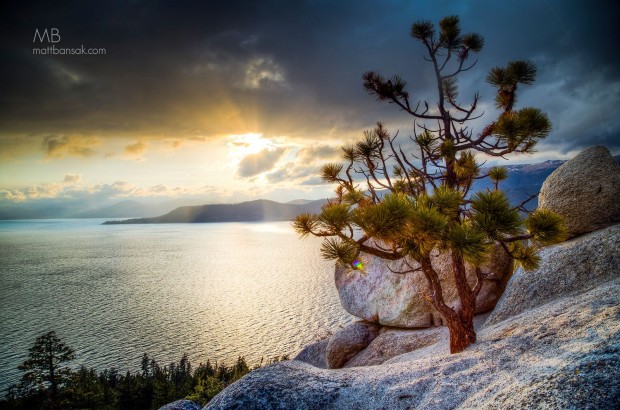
[{"x": 229, "y": 101}]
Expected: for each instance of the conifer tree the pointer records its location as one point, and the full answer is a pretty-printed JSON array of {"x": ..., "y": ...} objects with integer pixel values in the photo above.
[
  {"x": 400, "y": 204},
  {"x": 44, "y": 369}
]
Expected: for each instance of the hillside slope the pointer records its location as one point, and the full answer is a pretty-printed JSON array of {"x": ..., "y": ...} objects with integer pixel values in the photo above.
[{"x": 251, "y": 211}]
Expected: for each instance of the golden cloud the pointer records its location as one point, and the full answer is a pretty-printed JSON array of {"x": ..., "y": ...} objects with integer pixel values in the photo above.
[
  {"x": 135, "y": 150},
  {"x": 63, "y": 146}
]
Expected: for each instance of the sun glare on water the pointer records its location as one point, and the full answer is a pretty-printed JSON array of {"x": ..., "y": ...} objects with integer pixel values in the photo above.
[{"x": 271, "y": 228}]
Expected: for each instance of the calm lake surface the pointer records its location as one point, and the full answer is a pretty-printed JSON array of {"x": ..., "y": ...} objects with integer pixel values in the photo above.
[{"x": 114, "y": 292}]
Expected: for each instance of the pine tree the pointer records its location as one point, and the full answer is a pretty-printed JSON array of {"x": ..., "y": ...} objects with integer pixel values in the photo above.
[
  {"x": 399, "y": 206},
  {"x": 44, "y": 368}
]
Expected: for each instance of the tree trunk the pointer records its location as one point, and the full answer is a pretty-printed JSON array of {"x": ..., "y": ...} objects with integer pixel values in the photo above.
[
  {"x": 460, "y": 322},
  {"x": 466, "y": 294},
  {"x": 462, "y": 333}
]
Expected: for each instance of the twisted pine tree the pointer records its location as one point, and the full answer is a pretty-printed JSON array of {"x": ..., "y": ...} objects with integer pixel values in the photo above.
[{"x": 402, "y": 206}]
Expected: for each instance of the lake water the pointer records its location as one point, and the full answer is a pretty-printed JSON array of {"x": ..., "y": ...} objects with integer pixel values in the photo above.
[{"x": 114, "y": 292}]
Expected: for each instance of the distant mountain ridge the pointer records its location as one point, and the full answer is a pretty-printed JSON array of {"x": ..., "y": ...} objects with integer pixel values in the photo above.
[
  {"x": 67, "y": 209},
  {"x": 299, "y": 201},
  {"x": 251, "y": 211},
  {"x": 123, "y": 209},
  {"x": 523, "y": 180}
]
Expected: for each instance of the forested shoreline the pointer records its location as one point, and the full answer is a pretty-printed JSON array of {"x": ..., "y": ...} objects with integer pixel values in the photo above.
[{"x": 48, "y": 383}]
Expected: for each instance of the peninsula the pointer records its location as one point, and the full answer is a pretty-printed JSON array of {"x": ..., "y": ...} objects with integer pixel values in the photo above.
[{"x": 260, "y": 210}]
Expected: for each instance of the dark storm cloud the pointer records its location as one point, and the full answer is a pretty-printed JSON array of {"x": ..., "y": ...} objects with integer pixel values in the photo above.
[
  {"x": 200, "y": 69},
  {"x": 572, "y": 43}
]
